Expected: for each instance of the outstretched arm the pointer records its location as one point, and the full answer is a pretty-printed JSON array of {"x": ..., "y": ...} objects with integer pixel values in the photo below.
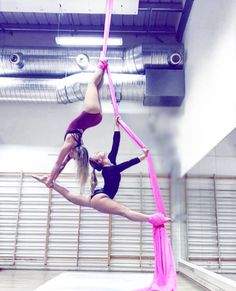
[
  {"x": 116, "y": 142},
  {"x": 117, "y": 125},
  {"x": 125, "y": 165},
  {"x": 66, "y": 160},
  {"x": 62, "y": 159},
  {"x": 73, "y": 198},
  {"x": 144, "y": 154}
]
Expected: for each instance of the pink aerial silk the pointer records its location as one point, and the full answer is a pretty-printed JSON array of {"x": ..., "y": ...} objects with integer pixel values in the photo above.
[
  {"x": 109, "y": 4},
  {"x": 164, "y": 277}
]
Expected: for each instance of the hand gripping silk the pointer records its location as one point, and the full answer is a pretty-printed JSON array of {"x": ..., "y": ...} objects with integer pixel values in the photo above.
[{"x": 164, "y": 278}]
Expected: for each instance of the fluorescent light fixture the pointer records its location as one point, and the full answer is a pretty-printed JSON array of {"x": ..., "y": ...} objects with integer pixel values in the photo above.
[{"x": 87, "y": 41}]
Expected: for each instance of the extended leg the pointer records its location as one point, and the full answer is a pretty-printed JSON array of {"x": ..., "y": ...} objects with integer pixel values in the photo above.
[
  {"x": 92, "y": 102},
  {"x": 104, "y": 204},
  {"x": 73, "y": 198}
]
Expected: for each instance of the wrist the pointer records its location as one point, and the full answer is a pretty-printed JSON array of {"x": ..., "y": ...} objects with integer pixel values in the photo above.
[{"x": 141, "y": 157}]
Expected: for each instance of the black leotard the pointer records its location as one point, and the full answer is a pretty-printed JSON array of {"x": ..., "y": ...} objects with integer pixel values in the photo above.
[{"x": 111, "y": 174}]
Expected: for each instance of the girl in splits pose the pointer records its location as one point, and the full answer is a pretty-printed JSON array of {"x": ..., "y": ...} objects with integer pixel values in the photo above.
[
  {"x": 102, "y": 199},
  {"x": 73, "y": 145}
]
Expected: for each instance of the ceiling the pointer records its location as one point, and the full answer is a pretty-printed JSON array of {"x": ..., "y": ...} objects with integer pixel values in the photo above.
[
  {"x": 29, "y": 37},
  {"x": 154, "y": 17}
]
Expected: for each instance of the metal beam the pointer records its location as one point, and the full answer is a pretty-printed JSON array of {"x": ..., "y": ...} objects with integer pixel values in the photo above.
[
  {"x": 184, "y": 19},
  {"x": 72, "y": 6},
  {"x": 161, "y": 7},
  {"x": 86, "y": 29}
]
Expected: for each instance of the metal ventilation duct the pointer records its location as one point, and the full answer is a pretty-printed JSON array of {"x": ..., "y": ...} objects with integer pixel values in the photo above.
[
  {"x": 61, "y": 62},
  {"x": 68, "y": 90},
  {"x": 154, "y": 56},
  {"x": 52, "y": 62},
  {"x": 56, "y": 77}
]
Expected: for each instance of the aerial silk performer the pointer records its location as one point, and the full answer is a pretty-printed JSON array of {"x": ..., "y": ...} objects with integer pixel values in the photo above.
[
  {"x": 164, "y": 277},
  {"x": 102, "y": 199},
  {"x": 73, "y": 146}
]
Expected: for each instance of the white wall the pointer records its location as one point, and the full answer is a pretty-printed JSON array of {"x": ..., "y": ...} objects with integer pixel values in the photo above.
[
  {"x": 221, "y": 160},
  {"x": 209, "y": 109}
]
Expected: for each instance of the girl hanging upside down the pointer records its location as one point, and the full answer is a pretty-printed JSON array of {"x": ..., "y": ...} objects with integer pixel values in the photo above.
[
  {"x": 102, "y": 199},
  {"x": 73, "y": 145}
]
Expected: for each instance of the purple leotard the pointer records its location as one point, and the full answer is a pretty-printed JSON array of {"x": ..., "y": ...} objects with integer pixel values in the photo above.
[{"x": 81, "y": 123}]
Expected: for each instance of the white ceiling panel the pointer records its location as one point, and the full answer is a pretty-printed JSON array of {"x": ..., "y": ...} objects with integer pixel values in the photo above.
[{"x": 69, "y": 6}]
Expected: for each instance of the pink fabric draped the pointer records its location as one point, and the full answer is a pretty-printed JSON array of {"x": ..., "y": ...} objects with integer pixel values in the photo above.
[
  {"x": 113, "y": 94},
  {"x": 164, "y": 278},
  {"x": 109, "y": 4}
]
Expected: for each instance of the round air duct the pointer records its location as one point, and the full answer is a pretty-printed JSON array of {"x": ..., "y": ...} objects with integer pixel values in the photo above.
[
  {"x": 17, "y": 59},
  {"x": 175, "y": 59},
  {"x": 82, "y": 61}
]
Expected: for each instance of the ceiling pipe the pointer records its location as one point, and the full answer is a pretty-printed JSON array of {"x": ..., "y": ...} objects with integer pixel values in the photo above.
[
  {"x": 46, "y": 67},
  {"x": 61, "y": 62},
  {"x": 68, "y": 90}
]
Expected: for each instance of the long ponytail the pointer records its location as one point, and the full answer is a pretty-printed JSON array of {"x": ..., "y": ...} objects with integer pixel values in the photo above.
[
  {"x": 93, "y": 181},
  {"x": 82, "y": 165},
  {"x": 93, "y": 177}
]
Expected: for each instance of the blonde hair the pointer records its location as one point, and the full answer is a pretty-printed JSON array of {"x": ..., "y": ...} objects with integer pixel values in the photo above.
[
  {"x": 93, "y": 178},
  {"x": 82, "y": 165},
  {"x": 93, "y": 181}
]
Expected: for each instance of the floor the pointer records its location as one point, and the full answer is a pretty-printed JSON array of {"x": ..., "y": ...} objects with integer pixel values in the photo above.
[
  {"x": 20, "y": 280},
  {"x": 230, "y": 276}
]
